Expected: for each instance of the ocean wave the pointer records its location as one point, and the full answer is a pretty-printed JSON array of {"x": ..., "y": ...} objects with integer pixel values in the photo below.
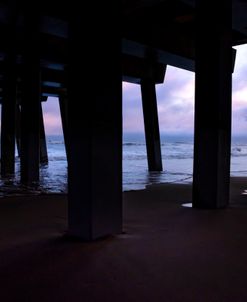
[
  {"x": 180, "y": 174},
  {"x": 134, "y": 144},
  {"x": 51, "y": 142},
  {"x": 236, "y": 149},
  {"x": 134, "y": 157},
  {"x": 163, "y": 144},
  {"x": 138, "y": 157},
  {"x": 57, "y": 158},
  {"x": 178, "y": 143},
  {"x": 178, "y": 156},
  {"x": 238, "y": 155},
  {"x": 238, "y": 171},
  {"x": 238, "y": 152}
]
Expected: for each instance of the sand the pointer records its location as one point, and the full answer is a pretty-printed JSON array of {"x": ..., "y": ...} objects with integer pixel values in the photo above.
[{"x": 166, "y": 252}]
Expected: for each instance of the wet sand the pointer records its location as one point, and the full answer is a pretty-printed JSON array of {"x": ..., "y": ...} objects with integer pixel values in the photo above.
[{"x": 166, "y": 252}]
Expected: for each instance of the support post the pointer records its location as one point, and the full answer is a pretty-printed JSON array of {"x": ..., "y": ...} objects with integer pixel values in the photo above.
[
  {"x": 8, "y": 117},
  {"x": 9, "y": 100},
  {"x": 151, "y": 123},
  {"x": 95, "y": 132},
  {"x": 43, "y": 146},
  {"x": 63, "y": 104},
  {"x": 30, "y": 102},
  {"x": 18, "y": 129},
  {"x": 212, "y": 105}
]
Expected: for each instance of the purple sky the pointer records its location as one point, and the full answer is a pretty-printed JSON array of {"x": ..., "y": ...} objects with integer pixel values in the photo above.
[{"x": 175, "y": 99}]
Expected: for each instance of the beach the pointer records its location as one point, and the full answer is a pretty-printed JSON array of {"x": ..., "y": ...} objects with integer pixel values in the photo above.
[{"x": 166, "y": 252}]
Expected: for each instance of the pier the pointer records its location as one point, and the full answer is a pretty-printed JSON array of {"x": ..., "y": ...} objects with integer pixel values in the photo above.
[
  {"x": 96, "y": 243},
  {"x": 46, "y": 50}
]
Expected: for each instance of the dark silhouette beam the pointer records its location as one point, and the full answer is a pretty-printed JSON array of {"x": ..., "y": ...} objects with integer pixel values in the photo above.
[
  {"x": 212, "y": 105},
  {"x": 43, "y": 146},
  {"x": 63, "y": 104},
  {"x": 151, "y": 123},
  {"x": 30, "y": 99},
  {"x": 8, "y": 117},
  {"x": 18, "y": 129},
  {"x": 95, "y": 132},
  {"x": 9, "y": 93}
]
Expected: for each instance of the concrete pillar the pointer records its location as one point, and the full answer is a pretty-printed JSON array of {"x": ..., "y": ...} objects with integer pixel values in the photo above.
[
  {"x": 30, "y": 99},
  {"x": 8, "y": 117},
  {"x": 43, "y": 147},
  {"x": 63, "y": 104},
  {"x": 18, "y": 129},
  {"x": 9, "y": 97},
  {"x": 212, "y": 105},
  {"x": 95, "y": 132},
  {"x": 151, "y": 123}
]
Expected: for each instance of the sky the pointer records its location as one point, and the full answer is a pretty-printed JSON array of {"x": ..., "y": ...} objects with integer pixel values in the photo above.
[{"x": 175, "y": 99}]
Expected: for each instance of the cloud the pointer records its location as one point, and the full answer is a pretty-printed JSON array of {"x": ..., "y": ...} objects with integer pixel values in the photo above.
[
  {"x": 239, "y": 94},
  {"x": 52, "y": 119},
  {"x": 175, "y": 99},
  {"x": 132, "y": 108}
]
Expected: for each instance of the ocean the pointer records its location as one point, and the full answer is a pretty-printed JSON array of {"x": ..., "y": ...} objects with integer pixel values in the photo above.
[
  {"x": 177, "y": 159},
  {"x": 177, "y": 156}
]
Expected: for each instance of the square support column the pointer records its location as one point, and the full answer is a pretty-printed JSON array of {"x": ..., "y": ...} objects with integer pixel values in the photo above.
[
  {"x": 43, "y": 146},
  {"x": 8, "y": 122},
  {"x": 18, "y": 128},
  {"x": 30, "y": 99},
  {"x": 95, "y": 131},
  {"x": 212, "y": 105},
  {"x": 151, "y": 123},
  {"x": 8, "y": 116},
  {"x": 63, "y": 105}
]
